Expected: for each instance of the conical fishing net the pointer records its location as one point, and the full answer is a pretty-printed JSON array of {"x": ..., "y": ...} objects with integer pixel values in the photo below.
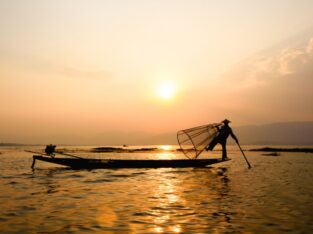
[{"x": 193, "y": 141}]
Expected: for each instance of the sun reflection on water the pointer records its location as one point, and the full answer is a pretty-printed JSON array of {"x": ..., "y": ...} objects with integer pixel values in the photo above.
[
  {"x": 168, "y": 197},
  {"x": 106, "y": 217},
  {"x": 176, "y": 229},
  {"x": 165, "y": 155},
  {"x": 166, "y": 147},
  {"x": 158, "y": 230}
]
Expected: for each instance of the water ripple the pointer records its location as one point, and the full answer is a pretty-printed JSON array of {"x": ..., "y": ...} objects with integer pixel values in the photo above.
[{"x": 275, "y": 196}]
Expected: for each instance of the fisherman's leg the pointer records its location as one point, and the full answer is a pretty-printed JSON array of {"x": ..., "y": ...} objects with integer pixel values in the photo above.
[
  {"x": 212, "y": 144},
  {"x": 224, "y": 154}
]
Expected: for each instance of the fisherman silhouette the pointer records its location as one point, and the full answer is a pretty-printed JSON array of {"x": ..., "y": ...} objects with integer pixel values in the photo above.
[
  {"x": 223, "y": 132},
  {"x": 50, "y": 150}
]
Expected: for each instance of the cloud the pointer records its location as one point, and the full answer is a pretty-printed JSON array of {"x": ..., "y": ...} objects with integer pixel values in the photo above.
[
  {"x": 296, "y": 60},
  {"x": 263, "y": 68},
  {"x": 272, "y": 87},
  {"x": 309, "y": 48}
]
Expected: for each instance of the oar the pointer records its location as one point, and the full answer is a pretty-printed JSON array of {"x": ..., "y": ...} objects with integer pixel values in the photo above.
[
  {"x": 34, "y": 152},
  {"x": 249, "y": 166},
  {"x": 71, "y": 155}
]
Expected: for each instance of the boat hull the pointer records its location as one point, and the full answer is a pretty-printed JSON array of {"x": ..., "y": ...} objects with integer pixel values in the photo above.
[{"x": 77, "y": 163}]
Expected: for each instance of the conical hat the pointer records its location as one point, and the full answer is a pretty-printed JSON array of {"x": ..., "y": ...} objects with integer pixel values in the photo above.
[{"x": 226, "y": 121}]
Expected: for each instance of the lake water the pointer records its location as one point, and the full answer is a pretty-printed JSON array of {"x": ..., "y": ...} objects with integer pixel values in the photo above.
[{"x": 275, "y": 196}]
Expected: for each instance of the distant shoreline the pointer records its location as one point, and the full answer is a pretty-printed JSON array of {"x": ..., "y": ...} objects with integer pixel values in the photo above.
[
  {"x": 126, "y": 149},
  {"x": 270, "y": 149},
  {"x": 263, "y": 149},
  {"x": 120, "y": 150},
  {"x": 11, "y": 144}
]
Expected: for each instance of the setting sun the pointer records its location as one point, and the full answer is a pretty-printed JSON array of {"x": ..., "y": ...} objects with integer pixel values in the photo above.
[{"x": 166, "y": 90}]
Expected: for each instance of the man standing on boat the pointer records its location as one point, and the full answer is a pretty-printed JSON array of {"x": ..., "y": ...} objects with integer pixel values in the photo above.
[{"x": 221, "y": 138}]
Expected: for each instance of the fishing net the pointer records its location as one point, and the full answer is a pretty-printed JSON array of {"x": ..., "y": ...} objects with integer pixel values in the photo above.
[{"x": 193, "y": 141}]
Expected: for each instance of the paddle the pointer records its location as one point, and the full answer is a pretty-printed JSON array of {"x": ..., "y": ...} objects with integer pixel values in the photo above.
[
  {"x": 34, "y": 152},
  {"x": 249, "y": 166},
  {"x": 71, "y": 155}
]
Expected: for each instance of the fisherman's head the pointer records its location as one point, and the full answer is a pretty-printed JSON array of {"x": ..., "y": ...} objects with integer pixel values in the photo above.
[{"x": 226, "y": 121}]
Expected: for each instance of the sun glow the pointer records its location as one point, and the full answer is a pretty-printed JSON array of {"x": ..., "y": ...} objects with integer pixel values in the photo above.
[
  {"x": 166, "y": 90},
  {"x": 165, "y": 147}
]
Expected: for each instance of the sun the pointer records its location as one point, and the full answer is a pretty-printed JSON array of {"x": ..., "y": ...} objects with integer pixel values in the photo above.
[{"x": 166, "y": 90}]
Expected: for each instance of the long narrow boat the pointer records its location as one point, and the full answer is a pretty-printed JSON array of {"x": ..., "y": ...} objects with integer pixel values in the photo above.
[{"x": 84, "y": 163}]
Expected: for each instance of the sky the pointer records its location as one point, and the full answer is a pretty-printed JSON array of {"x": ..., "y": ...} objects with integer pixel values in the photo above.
[{"x": 80, "y": 71}]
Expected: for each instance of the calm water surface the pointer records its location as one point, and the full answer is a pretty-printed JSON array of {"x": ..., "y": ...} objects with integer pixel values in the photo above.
[{"x": 275, "y": 196}]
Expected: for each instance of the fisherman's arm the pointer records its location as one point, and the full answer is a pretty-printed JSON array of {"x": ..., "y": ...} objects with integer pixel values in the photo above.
[{"x": 233, "y": 136}]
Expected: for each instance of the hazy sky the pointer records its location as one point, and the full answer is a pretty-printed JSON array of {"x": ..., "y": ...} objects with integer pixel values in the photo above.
[{"x": 86, "y": 68}]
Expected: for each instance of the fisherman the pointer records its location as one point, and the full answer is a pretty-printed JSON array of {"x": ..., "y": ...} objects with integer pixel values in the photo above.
[
  {"x": 50, "y": 150},
  {"x": 221, "y": 138}
]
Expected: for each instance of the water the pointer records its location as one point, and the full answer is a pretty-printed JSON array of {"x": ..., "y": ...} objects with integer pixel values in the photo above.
[{"x": 275, "y": 196}]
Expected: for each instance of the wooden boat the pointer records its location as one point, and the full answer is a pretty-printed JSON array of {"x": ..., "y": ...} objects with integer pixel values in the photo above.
[{"x": 85, "y": 163}]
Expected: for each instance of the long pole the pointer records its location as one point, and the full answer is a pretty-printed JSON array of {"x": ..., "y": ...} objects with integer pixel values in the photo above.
[
  {"x": 249, "y": 166},
  {"x": 71, "y": 155}
]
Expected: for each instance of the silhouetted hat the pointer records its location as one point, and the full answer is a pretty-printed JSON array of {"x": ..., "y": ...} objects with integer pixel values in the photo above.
[{"x": 225, "y": 121}]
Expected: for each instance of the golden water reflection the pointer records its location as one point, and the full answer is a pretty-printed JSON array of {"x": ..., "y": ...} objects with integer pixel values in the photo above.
[
  {"x": 170, "y": 229},
  {"x": 188, "y": 198},
  {"x": 168, "y": 199},
  {"x": 158, "y": 230},
  {"x": 166, "y": 155},
  {"x": 158, "y": 200},
  {"x": 106, "y": 216},
  {"x": 209, "y": 200},
  {"x": 166, "y": 147},
  {"x": 176, "y": 229}
]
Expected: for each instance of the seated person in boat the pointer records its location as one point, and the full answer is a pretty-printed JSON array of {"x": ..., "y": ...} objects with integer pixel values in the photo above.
[{"x": 49, "y": 150}]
